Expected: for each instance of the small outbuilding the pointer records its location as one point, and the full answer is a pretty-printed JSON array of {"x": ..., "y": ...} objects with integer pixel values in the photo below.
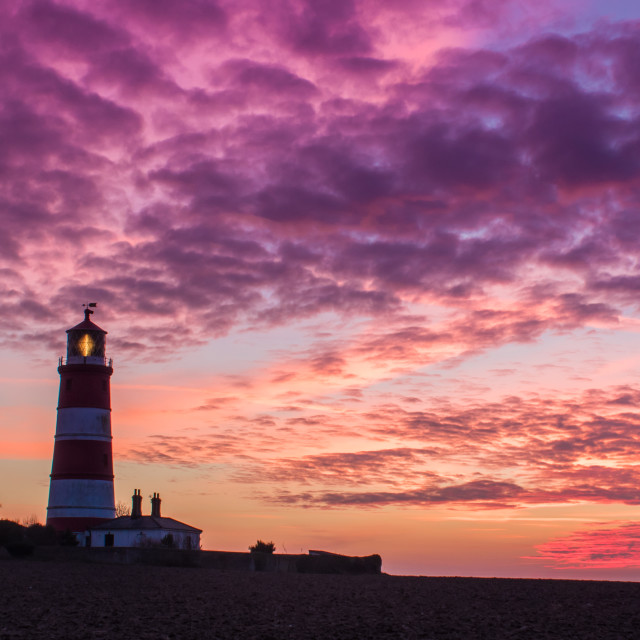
[{"x": 137, "y": 530}]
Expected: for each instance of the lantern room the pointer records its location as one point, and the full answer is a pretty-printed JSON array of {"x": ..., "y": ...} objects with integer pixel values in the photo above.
[{"x": 86, "y": 342}]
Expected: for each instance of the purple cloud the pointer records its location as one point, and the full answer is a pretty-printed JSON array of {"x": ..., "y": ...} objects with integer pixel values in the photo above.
[{"x": 443, "y": 185}]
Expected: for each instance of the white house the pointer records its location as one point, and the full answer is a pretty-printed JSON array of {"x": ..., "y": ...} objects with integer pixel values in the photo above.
[{"x": 137, "y": 530}]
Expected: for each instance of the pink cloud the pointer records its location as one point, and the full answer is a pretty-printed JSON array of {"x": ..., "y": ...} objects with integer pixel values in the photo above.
[
  {"x": 515, "y": 453},
  {"x": 617, "y": 547}
]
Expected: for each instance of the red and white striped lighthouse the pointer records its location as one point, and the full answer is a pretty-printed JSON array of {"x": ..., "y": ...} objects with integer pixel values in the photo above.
[{"x": 81, "y": 490}]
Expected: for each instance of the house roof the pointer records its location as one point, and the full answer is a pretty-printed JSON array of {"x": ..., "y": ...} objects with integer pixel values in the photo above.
[{"x": 145, "y": 523}]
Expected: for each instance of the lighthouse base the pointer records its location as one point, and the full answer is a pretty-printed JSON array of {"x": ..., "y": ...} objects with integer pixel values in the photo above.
[{"x": 77, "y": 504}]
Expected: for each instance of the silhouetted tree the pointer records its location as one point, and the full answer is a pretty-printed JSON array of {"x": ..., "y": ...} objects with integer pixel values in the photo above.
[{"x": 123, "y": 509}]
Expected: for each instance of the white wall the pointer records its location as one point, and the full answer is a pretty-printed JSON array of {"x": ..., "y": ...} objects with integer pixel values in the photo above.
[{"x": 137, "y": 538}]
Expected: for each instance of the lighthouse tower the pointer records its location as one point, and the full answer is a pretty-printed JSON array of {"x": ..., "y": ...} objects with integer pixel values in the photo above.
[{"x": 81, "y": 490}]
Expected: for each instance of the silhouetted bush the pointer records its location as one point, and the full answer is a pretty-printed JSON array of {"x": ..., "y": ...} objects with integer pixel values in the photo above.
[
  {"x": 338, "y": 564},
  {"x": 10, "y": 532},
  {"x": 67, "y": 539},
  {"x": 259, "y": 553},
  {"x": 41, "y": 535},
  {"x": 20, "y": 549},
  {"x": 167, "y": 541},
  {"x": 262, "y": 547}
]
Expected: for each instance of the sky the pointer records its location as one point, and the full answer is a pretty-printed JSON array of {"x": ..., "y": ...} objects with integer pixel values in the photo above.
[{"x": 370, "y": 270}]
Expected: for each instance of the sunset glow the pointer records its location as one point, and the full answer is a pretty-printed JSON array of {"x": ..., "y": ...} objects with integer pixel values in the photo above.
[{"x": 369, "y": 271}]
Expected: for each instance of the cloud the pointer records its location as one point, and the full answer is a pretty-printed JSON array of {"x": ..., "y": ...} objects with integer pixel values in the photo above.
[
  {"x": 266, "y": 188},
  {"x": 576, "y": 141},
  {"x": 327, "y": 28},
  {"x": 68, "y": 30},
  {"x": 295, "y": 165},
  {"x": 186, "y": 451},
  {"x": 264, "y": 78},
  {"x": 615, "y": 547},
  {"x": 346, "y": 468},
  {"x": 521, "y": 451},
  {"x": 481, "y": 493},
  {"x": 199, "y": 18}
]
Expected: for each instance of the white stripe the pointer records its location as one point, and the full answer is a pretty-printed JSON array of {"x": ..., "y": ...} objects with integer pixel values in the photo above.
[
  {"x": 81, "y": 494},
  {"x": 80, "y": 512},
  {"x": 83, "y": 423}
]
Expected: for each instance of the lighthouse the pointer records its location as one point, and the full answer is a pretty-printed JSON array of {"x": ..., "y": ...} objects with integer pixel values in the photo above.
[{"x": 81, "y": 489}]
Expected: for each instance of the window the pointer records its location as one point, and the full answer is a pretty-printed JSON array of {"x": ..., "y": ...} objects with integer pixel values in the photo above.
[{"x": 108, "y": 539}]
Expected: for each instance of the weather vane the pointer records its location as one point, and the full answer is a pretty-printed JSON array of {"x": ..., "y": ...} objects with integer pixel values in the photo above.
[{"x": 87, "y": 307}]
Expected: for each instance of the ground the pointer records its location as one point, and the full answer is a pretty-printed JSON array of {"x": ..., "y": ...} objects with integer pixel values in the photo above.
[{"x": 56, "y": 600}]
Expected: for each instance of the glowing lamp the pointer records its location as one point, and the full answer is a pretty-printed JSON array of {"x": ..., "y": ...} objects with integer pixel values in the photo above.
[{"x": 85, "y": 345}]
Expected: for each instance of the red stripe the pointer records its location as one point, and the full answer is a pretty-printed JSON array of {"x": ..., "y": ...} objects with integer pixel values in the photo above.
[
  {"x": 82, "y": 459},
  {"x": 84, "y": 385},
  {"x": 75, "y": 524}
]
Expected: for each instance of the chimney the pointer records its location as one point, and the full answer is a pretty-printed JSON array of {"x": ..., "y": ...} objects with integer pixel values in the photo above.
[
  {"x": 136, "y": 504},
  {"x": 155, "y": 505}
]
